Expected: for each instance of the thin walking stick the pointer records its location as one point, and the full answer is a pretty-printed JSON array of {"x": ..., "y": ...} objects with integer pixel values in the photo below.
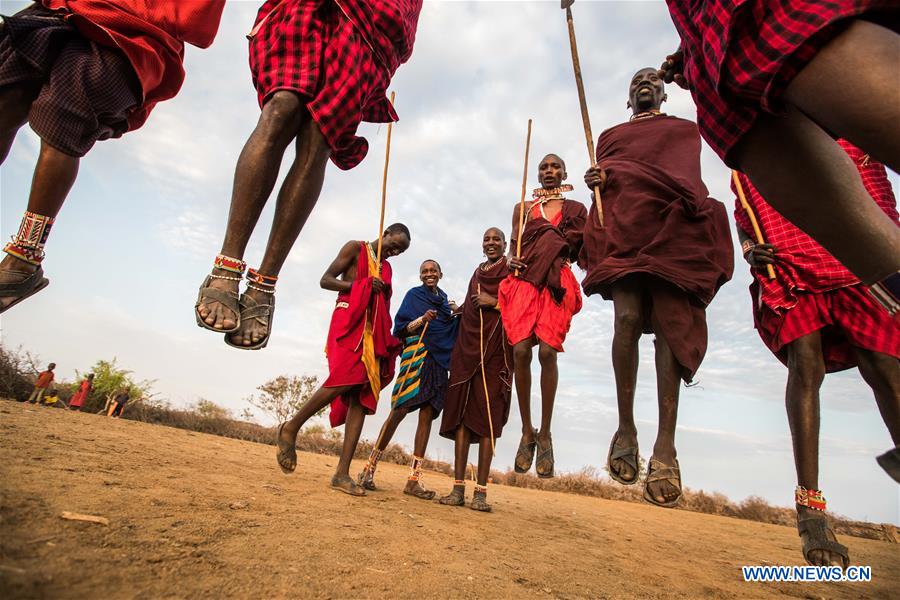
[
  {"x": 487, "y": 395},
  {"x": 582, "y": 100},
  {"x": 522, "y": 199},
  {"x": 749, "y": 210},
  {"x": 387, "y": 161}
]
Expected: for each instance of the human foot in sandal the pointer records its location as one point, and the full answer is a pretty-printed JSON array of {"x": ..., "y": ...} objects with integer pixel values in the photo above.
[
  {"x": 18, "y": 281},
  {"x": 545, "y": 463},
  {"x": 820, "y": 545},
  {"x": 257, "y": 309},
  {"x": 525, "y": 453},
  {"x": 479, "y": 500},
  {"x": 217, "y": 308},
  {"x": 347, "y": 485},
  {"x": 456, "y": 497},
  {"x": 414, "y": 488},
  {"x": 285, "y": 450},
  {"x": 662, "y": 486},
  {"x": 622, "y": 459}
]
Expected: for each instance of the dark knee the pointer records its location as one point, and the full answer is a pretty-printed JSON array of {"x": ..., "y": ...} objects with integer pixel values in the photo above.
[
  {"x": 546, "y": 355},
  {"x": 281, "y": 113},
  {"x": 806, "y": 366},
  {"x": 522, "y": 353},
  {"x": 628, "y": 322}
]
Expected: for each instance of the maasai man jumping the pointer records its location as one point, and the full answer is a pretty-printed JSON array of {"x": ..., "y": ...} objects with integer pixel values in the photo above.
[
  {"x": 79, "y": 71},
  {"x": 360, "y": 349},
  {"x": 763, "y": 76},
  {"x": 320, "y": 67},
  {"x": 663, "y": 254},
  {"x": 427, "y": 326},
  {"x": 817, "y": 318},
  {"x": 480, "y": 394},
  {"x": 538, "y": 300}
]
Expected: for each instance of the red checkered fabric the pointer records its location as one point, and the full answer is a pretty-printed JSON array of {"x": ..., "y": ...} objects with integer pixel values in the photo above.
[
  {"x": 803, "y": 265},
  {"x": 847, "y": 317},
  {"x": 740, "y": 55},
  {"x": 340, "y": 65}
]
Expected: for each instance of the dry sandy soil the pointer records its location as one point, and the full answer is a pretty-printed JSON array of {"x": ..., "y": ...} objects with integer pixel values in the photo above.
[{"x": 199, "y": 516}]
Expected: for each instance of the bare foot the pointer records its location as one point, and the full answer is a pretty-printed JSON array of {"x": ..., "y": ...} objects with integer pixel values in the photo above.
[
  {"x": 344, "y": 483},
  {"x": 214, "y": 313},
  {"x": 414, "y": 488},
  {"x": 624, "y": 439},
  {"x": 12, "y": 271},
  {"x": 256, "y": 329}
]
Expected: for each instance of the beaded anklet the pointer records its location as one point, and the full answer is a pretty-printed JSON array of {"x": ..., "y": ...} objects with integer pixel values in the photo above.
[
  {"x": 28, "y": 243},
  {"x": 261, "y": 283},
  {"x": 227, "y": 263},
  {"x": 809, "y": 498}
]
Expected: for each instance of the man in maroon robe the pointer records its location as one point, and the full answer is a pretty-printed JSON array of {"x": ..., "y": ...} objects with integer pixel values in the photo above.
[
  {"x": 81, "y": 71},
  {"x": 480, "y": 393},
  {"x": 361, "y": 350},
  {"x": 320, "y": 68},
  {"x": 662, "y": 255}
]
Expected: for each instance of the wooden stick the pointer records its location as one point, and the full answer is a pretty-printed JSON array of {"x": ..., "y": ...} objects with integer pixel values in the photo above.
[
  {"x": 387, "y": 160},
  {"x": 402, "y": 381},
  {"x": 749, "y": 210},
  {"x": 522, "y": 199},
  {"x": 585, "y": 118},
  {"x": 487, "y": 395}
]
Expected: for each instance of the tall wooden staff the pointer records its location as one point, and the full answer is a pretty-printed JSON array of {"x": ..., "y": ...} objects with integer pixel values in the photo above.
[
  {"x": 487, "y": 394},
  {"x": 522, "y": 199},
  {"x": 749, "y": 210},
  {"x": 387, "y": 160},
  {"x": 585, "y": 118}
]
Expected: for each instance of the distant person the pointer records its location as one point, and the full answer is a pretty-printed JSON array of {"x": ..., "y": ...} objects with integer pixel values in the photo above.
[
  {"x": 51, "y": 398},
  {"x": 43, "y": 382},
  {"x": 117, "y": 407},
  {"x": 84, "y": 390}
]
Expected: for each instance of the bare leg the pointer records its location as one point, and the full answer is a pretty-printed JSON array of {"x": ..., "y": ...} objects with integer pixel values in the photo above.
[
  {"x": 668, "y": 382},
  {"x": 816, "y": 186},
  {"x": 15, "y": 102},
  {"x": 549, "y": 383},
  {"x": 254, "y": 178},
  {"x": 806, "y": 371},
  {"x": 352, "y": 430},
  {"x": 627, "y": 302},
  {"x": 395, "y": 417},
  {"x": 522, "y": 359},
  {"x": 296, "y": 199},
  {"x": 321, "y": 398},
  {"x": 485, "y": 456},
  {"x": 457, "y": 496},
  {"x": 850, "y": 88},
  {"x": 882, "y": 373},
  {"x": 423, "y": 430},
  {"x": 54, "y": 176}
]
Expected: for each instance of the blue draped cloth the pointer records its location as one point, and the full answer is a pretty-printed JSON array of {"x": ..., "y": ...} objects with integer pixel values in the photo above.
[{"x": 441, "y": 333}]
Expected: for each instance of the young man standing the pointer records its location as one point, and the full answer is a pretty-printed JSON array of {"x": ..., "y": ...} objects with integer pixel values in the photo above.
[
  {"x": 361, "y": 350},
  {"x": 45, "y": 378}
]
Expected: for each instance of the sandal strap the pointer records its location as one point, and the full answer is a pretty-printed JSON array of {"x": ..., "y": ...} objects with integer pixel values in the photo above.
[
  {"x": 626, "y": 454},
  {"x": 22, "y": 287},
  {"x": 658, "y": 471},
  {"x": 814, "y": 532},
  {"x": 222, "y": 296}
]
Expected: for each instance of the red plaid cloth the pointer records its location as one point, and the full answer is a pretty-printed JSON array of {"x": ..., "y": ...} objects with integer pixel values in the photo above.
[
  {"x": 740, "y": 55},
  {"x": 847, "y": 317},
  {"x": 804, "y": 265},
  {"x": 338, "y": 55}
]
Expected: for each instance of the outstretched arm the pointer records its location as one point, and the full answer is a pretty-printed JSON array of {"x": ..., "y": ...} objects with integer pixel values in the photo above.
[{"x": 331, "y": 279}]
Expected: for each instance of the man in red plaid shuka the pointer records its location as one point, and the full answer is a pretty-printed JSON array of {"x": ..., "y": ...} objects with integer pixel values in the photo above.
[
  {"x": 780, "y": 79},
  {"x": 81, "y": 71},
  {"x": 320, "y": 67},
  {"x": 817, "y": 318}
]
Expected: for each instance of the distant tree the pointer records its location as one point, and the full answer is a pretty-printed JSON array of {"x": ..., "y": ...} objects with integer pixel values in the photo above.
[
  {"x": 108, "y": 380},
  {"x": 210, "y": 410},
  {"x": 282, "y": 396},
  {"x": 247, "y": 415},
  {"x": 17, "y": 371}
]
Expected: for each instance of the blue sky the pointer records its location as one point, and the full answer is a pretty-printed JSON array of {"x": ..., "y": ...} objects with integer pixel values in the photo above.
[{"x": 147, "y": 214}]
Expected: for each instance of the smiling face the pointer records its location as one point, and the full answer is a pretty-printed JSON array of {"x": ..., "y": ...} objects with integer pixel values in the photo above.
[
  {"x": 552, "y": 171},
  {"x": 393, "y": 244},
  {"x": 494, "y": 244},
  {"x": 647, "y": 91},
  {"x": 430, "y": 273}
]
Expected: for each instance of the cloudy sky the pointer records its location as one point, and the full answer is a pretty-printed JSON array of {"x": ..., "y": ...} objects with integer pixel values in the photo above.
[{"x": 146, "y": 218}]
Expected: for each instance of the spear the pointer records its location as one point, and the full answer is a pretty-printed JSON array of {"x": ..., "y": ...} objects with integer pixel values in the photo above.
[
  {"x": 522, "y": 199},
  {"x": 387, "y": 160},
  {"x": 756, "y": 230},
  {"x": 487, "y": 395},
  {"x": 585, "y": 118}
]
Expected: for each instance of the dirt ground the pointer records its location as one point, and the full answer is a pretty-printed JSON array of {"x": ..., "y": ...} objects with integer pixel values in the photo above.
[{"x": 199, "y": 516}]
